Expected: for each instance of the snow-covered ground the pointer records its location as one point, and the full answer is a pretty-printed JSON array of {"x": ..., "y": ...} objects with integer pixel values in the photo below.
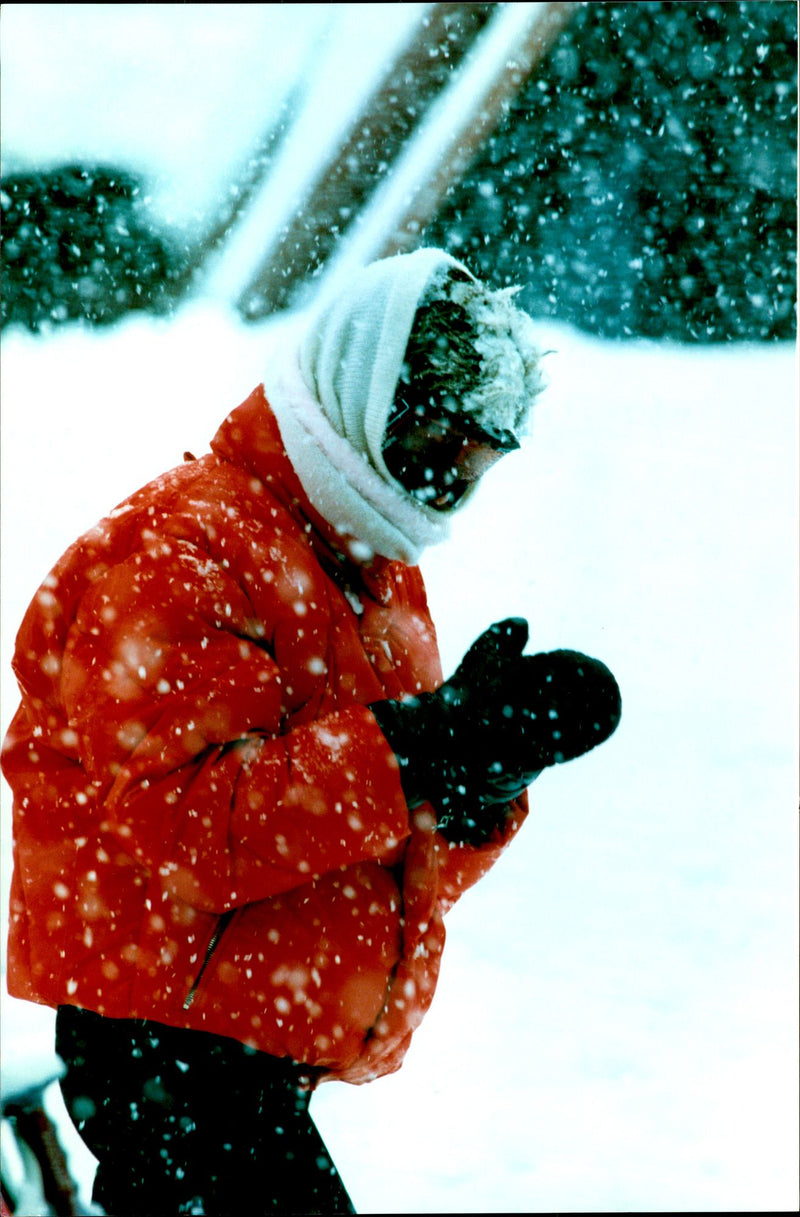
[{"x": 615, "y": 1027}]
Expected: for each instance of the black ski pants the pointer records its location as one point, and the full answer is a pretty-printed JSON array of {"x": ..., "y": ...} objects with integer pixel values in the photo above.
[{"x": 189, "y": 1122}]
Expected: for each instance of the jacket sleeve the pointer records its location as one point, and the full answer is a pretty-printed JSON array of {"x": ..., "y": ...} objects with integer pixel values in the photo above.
[
  {"x": 179, "y": 709},
  {"x": 462, "y": 865}
]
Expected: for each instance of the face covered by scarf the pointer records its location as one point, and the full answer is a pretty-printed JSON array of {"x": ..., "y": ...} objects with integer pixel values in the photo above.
[
  {"x": 438, "y": 454},
  {"x": 339, "y": 387},
  {"x": 470, "y": 375}
]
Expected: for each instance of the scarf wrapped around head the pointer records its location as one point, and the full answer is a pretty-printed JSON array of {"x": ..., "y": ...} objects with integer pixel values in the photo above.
[
  {"x": 352, "y": 356},
  {"x": 332, "y": 387}
]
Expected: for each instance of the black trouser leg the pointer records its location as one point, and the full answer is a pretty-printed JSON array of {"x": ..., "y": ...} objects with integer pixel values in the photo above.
[{"x": 187, "y": 1122}]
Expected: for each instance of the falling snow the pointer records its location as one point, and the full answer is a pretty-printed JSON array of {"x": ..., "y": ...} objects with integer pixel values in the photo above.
[{"x": 615, "y": 1026}]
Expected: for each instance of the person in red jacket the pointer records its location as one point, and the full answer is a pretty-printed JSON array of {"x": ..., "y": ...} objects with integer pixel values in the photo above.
[{"x": 244, "y": 797}]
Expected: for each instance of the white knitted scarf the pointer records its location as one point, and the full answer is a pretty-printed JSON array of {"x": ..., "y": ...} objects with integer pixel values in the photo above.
[{"x": 331, "y": 383}]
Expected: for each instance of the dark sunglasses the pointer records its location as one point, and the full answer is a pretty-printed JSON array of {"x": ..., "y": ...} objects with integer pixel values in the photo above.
[
  {"x": 439, "y": 455},
  {"x": 443, "y": 424}
]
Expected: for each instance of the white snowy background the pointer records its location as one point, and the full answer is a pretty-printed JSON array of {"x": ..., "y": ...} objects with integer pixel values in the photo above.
[{"x": 616, "y": 1023}]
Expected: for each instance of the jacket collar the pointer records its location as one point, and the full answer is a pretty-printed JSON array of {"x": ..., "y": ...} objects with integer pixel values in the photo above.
[{"x": 250, "y": 438}]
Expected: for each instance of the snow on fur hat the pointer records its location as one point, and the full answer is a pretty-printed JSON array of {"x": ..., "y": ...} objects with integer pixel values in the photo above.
[
  {"x": 510, "y": 375},
  {"x": 352, "y": 356}
]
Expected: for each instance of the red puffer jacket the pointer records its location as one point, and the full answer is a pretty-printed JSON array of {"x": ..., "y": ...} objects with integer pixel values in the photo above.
[{"x": 209, "y": 826}]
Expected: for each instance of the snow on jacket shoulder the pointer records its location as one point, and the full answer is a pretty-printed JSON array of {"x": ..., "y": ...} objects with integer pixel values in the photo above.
[{"x": 209, "y": 828}]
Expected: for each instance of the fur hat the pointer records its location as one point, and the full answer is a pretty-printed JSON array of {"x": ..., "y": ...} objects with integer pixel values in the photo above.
[
  {"x": 355, "y": 352},
  {"x": 334, "y": 377},
  {"x": 498, "y": 385}
]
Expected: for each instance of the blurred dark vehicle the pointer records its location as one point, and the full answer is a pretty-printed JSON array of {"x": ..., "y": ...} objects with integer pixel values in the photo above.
[
  {"x": 645, "y": 180},
  {"x": 642, "y": 182}
]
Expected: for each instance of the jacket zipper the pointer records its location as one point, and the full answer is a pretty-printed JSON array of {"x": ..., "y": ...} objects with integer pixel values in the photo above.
[{"x": 213, "y": 943}]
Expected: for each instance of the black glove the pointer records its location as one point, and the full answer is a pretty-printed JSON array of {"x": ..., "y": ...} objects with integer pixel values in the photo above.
[{"x": 481, "y": 739}]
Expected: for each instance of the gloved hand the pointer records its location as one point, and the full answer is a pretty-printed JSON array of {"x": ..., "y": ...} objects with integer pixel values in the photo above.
[{"x": 482, "y": 738}]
